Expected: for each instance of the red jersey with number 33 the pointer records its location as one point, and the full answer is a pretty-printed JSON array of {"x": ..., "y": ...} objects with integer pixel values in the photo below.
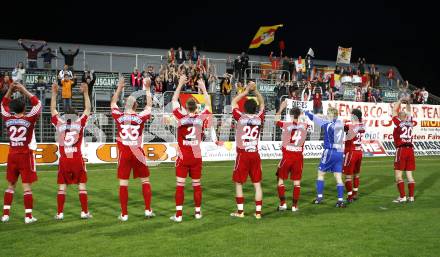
[
  {"x": 402, "y": 133},
  {"x": 293, "y": 136},
  {"x": 70, "y": 135},
  {"x": 20, "y": 129},
  {"x": 130, "y": 129},
  {"x": 247, "y": 130},
  {"x": 189, "y": 132}
]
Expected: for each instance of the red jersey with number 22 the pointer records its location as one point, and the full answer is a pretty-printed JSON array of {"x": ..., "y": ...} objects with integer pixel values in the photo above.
[{"x": 247, "y": 130}]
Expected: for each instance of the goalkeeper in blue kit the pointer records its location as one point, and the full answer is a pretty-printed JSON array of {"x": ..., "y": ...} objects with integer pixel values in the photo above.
[{"x": 333, "y": 156}]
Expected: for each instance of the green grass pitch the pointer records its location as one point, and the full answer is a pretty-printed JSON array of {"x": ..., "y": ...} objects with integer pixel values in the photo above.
[{"x": 372, "y": 226}]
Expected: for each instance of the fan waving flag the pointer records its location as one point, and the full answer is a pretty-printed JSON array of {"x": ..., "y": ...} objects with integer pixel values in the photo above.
[{"x": 265, "y": 35}]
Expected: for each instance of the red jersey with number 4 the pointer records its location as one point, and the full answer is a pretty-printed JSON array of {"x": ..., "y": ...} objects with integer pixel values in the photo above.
[
  {"x": 247, "y": 130},
  {"x": 20, "y": 129},
  {"x": 293, "y": 136},
  {"x": 402, "y": 133},
  {"x": 355, "y": 134},
  {"x": 130, "y": 129},
  {"x": 70, "y": 135},
  {"x": 189, "y": 132}
]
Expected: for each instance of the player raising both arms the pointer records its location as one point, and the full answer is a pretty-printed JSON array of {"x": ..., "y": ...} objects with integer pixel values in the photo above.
[
  {"x": 353, "y": 154},
  {"x": 20, "y": 128},
  {"x": 131, "y": 156},
  {"x": 189, "y": 137},
  {"x": 248, "y": 162},
  {"x": 71, "y": 168},
  {"x": 404, "y": 160},
  {"x": 293, "y": 138},
  {"x": 333, "y": 155}
]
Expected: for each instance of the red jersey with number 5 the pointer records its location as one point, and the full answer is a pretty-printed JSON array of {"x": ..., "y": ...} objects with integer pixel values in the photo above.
[
  {"x": 70, "y": 135},
  {"x": 293, "y": 136},
  {"x": 247, "y": 130},
  {"x": 20, "y": 129},
  {"x": 402, "y": 133},
  {"x": 355, "y": 134},
  {"x": 130, "y": 129},
  {"x": 189, "y": 132}
]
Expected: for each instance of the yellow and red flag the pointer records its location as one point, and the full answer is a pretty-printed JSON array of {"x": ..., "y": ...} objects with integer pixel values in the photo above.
[{"x": 265, "y": 35}]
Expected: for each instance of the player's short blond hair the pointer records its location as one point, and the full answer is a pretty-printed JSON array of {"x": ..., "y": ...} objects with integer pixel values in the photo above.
[{"x": 332, "y": 111}]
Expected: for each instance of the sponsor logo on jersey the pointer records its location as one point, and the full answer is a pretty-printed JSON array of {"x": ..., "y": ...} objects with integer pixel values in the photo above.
[{"x": 18, "y": 122}]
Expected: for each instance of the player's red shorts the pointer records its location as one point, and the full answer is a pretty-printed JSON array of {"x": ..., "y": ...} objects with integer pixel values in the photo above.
[
  {"x": 352, "y": 162},
  {"x": 129, "y": 161},
  {"x": 193, "y": 167},
  {"x": 247, "y": 164},
  {"x": 404, "y": 159},
  {"x": 21, "y": 164},
  {"x": 72, "y": 171},
  {"x": 290, "y": 164}
]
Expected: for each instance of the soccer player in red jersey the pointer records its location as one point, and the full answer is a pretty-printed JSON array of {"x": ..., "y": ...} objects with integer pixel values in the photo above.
[
  {"x": 248, "y": 162},
  {"x": 355, "y": 131},
  {"x": 20, "y": 128},
  {"x": 404, "y": 160},
  {"x": 190, "y": 127},
  {"x": 293, "y": 139},
  {"x": 71, "y": 169},
  {"x": 131, "y": 156}
]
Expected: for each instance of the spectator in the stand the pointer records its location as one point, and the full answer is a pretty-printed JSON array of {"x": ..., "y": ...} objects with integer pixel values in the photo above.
[
  {"x": 180, "y": 56},
  {"x": 69, "y": 57},
  {"x": 66, "y": 91},
  {"x": 275, "y": 61},
  {"x": 239, "y": 87},
  {"x": 47, "y": 58},
  {"x": 89, "y": 78},
  {"x": 390, "y": 78},
  {"x": 358, "y": 96},
  {"x": 5, "y": 83},
  {"x": 229, "y": 65},
  {"x": 300, "y": 69},
  {"x": 171, "y": 55},
  {"x": 285, "y": 67},
  {"x": 225, "y": 92},
  {"x": 280, "y": 90},
  {"x": 377, "y": 95},
  {"x": 425, "y": 95},
  {"x": 309, "y": 66},
  {"x": 307, "y": 92},
  {"x": 149, "y": 73},
  {"x": 65, "y": 71},
  {"x": 212, "y": 82},
  {"x": 244, "y": 59},
  {"x": 194, "y": 54},
  {"x": 237, "y": 68},
  {"x": 292, "y": 68},
  {"x": 317, "y": 100},
  {"x": 136, "y": 79},
  {"x": 18, "y": 73},
  {"x": 40, "y": 88},
  {"x": 361, "y": 65},
  {"x": 330, "y": 94},
  {"x": 369, "y": 96},
  {"x": 403, "y": 91},
  {"x": 32, "y": 53}
]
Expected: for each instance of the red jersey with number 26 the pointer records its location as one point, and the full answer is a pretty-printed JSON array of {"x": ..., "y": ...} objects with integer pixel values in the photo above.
[
  {"x": 130, "y": 129},
  {"x": 70, "y": 135},
  {"x": 247, "y": 130},
  {"x": 189, "y": 132},
  {"x": 402, "y": 133},
  {"x": 20, "y": 129},
  {"x": 293, "y": 136}
]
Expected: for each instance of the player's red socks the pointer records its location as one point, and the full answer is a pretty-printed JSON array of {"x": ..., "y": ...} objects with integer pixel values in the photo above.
[
  {"x": 61, "y": 198},
  {"x": 349, "y": 188},
  {"x": 179, "y": 197},
  {"x": 146, "y": 191},
  {"x": 296, "y": 193},
  {"x": 28, "y": 203},
  {"x": 355, "y": 186},
  {"x": 123, "y": 199},
  {"x": 197, "y": 188},
  {"x": 258, "y": 205},
  {"x": 240, "y": 204},
  {"x": 83, "y": 200},
  {"x": 411, "y": 186},
  {"x": 401, "y": 188},
  {"x": 7, "y": 201},
  {"x": 281, "y": 194}
]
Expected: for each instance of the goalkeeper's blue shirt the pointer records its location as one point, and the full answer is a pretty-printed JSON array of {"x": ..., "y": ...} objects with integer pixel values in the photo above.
[{"x": 333, "y": 131}]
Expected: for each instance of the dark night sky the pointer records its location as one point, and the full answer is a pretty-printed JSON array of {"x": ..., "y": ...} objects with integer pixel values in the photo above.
[{"x": 395, "y": 33}]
